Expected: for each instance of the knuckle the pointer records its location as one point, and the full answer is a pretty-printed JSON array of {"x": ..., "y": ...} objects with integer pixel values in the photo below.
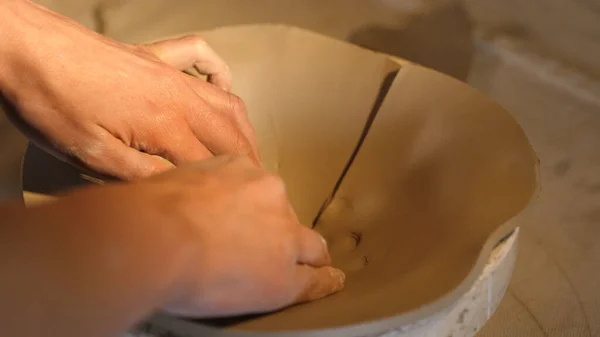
[
  {"x": 242, "y": 144},
  {"x": 199, "y": 44},
  {"x": 225, "y": 70},
  {"x": 268, "y": 189},
  {"x": 273, "y": 183},
  {"x": 237, "y": 105},
  {"x": 196, "y": 40}
]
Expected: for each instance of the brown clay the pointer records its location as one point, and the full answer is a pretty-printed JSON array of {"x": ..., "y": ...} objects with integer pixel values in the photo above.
[{"x": 438, "y": 179}]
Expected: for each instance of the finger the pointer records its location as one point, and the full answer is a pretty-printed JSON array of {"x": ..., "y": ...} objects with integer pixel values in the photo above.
[
  {"x": 108, "y": 155},
  {"x": 316, "y": 283},
  {"x": 312, "y": 248},
  {"x": 185, "y": 148},
  {"x": 233, "y": 108},
  {"x": 219, "y": 133},
  {"x": 236, "y": 167},
  {"x": 192, "y": 51}
]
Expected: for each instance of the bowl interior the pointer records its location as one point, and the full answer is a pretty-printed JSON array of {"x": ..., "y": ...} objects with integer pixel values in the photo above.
[{"x": 419, "y": 173}]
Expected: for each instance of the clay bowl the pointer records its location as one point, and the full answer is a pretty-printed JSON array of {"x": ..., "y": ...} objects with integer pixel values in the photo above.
[{"x": 428, "y": 175}]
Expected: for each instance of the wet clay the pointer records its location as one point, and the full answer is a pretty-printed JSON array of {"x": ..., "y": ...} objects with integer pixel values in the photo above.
[{"x": 413, "y": 206}]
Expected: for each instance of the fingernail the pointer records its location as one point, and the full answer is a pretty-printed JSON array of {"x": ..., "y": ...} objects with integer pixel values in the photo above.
[
  {"x": 340, "y": 278},
  {"x": 323, "y": 240},
  {"x": 325, "y": 249}
]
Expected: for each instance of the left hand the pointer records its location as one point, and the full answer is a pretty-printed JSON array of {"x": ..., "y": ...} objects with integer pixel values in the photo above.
[{"x": 113, "y": 107}]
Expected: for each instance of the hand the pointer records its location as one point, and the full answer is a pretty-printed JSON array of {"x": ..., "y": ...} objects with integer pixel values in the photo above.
[
  {"x": 240, "y": 247},
  {"x": 254, "y": 255},
  {"x": 117, "y": 108}
]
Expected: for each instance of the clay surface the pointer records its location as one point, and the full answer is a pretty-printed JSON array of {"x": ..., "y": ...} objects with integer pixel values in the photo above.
[{"x": 421, "y": 174}]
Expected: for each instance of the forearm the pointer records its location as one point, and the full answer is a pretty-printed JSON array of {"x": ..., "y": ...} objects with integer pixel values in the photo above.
[
  {"x": 32, "y": 63},
  {"x": 12, "y": 13},
  {"x": 63, "y": 274},
  {"x": 31, "y": 40}
]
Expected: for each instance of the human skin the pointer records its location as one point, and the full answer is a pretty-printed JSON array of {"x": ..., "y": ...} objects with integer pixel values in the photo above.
[
  {"x": 212, "y": 238},
  {"x": 112, "y": 107},
  {"x": 209, "y": 239}
]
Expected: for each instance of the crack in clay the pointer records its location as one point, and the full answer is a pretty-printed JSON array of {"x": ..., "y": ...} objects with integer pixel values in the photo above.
[{"x": 383, "y": 91}]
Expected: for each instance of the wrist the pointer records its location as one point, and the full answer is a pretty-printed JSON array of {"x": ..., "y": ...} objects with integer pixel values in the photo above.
[
  {"x": 96, "y": 255},
  {"x": 13, "y": 51}
]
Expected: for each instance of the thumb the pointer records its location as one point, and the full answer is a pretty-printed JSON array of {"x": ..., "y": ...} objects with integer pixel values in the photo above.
[
  {"x": 192, "y": 51},
  {"x": 312, "y": 248},
  {"x": 315, "y": 283},
  {"x": 112, "y": 157}
]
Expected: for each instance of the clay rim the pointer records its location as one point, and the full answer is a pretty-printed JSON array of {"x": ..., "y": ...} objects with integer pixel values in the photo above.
[
  {"x": 384, "y": 325},
  {"x": 377, "y": 327}
]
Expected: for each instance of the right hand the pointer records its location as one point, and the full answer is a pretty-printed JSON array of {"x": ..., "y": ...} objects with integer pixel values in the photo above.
[{"x": 246, "y": 250}]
